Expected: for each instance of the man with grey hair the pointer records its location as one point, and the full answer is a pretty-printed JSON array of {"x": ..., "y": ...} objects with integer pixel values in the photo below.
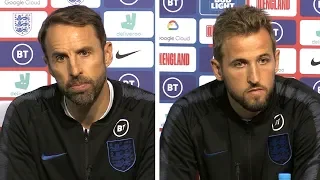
[{"x": 85, "y": 126}]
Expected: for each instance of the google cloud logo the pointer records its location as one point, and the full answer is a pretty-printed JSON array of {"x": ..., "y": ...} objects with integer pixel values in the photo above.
[{"x": 172, "y": 25}]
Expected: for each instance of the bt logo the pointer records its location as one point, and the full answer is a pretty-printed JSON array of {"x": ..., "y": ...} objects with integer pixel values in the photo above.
[
  {"x": 130, "y": 79},
  {"x": 121, "y": 128},
  {"x": 316, "y": 86},
  {"x": 22, "y": 54},
  {"x": 316, "y": 6},
  {"x": 172, "y": 87},
  {"x": 278, "y": 31},
  {"x": 172, "y": 6}
]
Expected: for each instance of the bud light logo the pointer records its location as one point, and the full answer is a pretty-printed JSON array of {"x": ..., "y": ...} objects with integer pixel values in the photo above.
[
  {"x": 215, "y": 7},
  {"x": 75, "y": 2},
  {"x": 22, "y": 23},
  {"x": 172, "y": 5}
]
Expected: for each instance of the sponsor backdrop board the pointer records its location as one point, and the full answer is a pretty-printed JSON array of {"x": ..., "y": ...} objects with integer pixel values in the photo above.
[
  {"x": 129, "y": 25},
  {"x": 184, "y": 33}
]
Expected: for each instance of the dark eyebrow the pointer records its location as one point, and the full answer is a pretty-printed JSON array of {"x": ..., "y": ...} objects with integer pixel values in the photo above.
[
  {"x": 57, "y": 53},
  {"x": 85, "y": 48},
  {"x": 264, "y": 55},
  {"x": 245, "y": 60},
  {"x": 239, "y": 60}
]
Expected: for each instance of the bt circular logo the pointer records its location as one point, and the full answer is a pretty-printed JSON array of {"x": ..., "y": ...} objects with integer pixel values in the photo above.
[
  {"x": 277, "y": 30},
  {"x": 316, "y": 6},
  {"x": 128, "y": 2},
  {"x": 316, "y": 86},
  {"x": 130, "y": 79},
  {"x": 121, "y": 128},
  {"x": 172, "y": 5},
  {"x": 22, "y": 54},
  {"x": 172, "y": 87}
]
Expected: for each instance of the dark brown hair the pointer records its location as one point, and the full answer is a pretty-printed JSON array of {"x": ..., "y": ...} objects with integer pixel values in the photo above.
[
  {"x": 242, "y": 20},
  {"x": 76, "y": 15}
]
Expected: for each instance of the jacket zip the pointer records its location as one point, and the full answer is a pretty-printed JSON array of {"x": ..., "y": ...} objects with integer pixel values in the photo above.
[
  {"x": 238, "y": 171},
  {"x": 249, "y": 129},
  {"x": 86, "y": 151}
]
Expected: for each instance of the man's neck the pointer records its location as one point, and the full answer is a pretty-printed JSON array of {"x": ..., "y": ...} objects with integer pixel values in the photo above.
[
  {"x": 86, "y": 115},
  {"x": 242, "y": 112}
]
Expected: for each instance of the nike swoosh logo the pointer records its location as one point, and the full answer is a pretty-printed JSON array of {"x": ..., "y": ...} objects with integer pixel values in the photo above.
[
  {"x": 45, "y": 158},
  {"x": 313, "y": 63},
  {"x": 215, "y": 153},
  {"x": 120, "y": 56}
]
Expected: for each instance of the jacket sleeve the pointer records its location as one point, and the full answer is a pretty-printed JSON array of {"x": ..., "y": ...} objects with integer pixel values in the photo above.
[
  {"x": 306, "y": 145},
  {"x": 147, "y": 165},
  {"x": 177, "y": 160},
  {"x": 16, "y": 161}
]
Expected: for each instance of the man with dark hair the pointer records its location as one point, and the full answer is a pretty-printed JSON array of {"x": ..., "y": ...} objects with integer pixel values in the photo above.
[
  {"x": 249, "y": 123},
  {"x": 86, "y": 126}
]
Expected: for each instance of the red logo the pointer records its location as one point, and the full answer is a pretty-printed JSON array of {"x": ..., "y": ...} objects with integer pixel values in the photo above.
[
  {"x": 174, "y": 59},
  {"x": 209, "y": 30},
  {"x": 273, "y": 4}
]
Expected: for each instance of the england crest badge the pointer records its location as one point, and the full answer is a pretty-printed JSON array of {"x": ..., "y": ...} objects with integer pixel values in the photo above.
[
  {"x": 121, "y": 154},
  {"x": 279, "y": 149},
  {"x": 22, "y": 23},
  {"x": 75, "y": 2}
]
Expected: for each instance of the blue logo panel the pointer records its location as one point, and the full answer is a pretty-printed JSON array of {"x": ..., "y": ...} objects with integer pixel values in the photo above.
[
  {"x": 206, "y": 54},
  {"x": 310, "y": 8},
  {"x": 174, "y": 86},
  {"x": 121, "y": 153},
  {"x": 279, "y": 149},
  {"x": 21, "y": 54},
  {"x": 284, "y": 31},
  {"x": 141, "y": 79},
  {"x": 177, "y": 7},
  {"x": 215, "y": 7},
  {"x": 140, "y": 4},
  {"x": 314, "y": 83}
]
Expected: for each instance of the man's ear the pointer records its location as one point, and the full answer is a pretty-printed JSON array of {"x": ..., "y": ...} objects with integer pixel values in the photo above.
[
  {"x": 45, "y": 59},
  {"x": 217, "y": 69},
  {"x": 108, "y": 56}
]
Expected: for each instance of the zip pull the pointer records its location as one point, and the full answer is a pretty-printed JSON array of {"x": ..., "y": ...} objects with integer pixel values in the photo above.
[
  {"x": 86, "y": 136},
  {"x": 238, "y": 170},
  {"x": 89, "y": 171}
]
